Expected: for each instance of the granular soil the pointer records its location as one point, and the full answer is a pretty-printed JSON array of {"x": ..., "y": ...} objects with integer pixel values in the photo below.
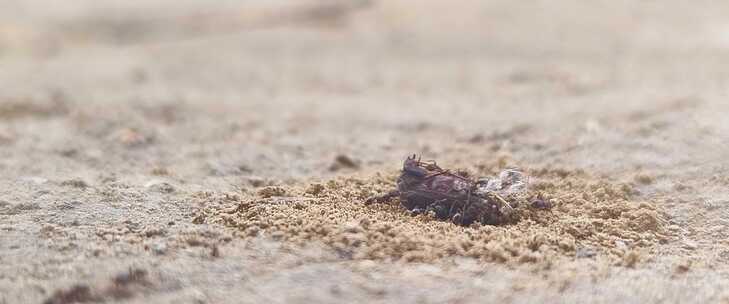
[{"x": 589, "y": 216}]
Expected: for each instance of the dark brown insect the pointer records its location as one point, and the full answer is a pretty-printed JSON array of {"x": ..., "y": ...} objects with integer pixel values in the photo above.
[{"x": 424, "y": 187}]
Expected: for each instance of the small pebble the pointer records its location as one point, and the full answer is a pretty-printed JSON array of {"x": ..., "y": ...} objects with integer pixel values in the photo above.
[
  {"x": 541, "y": 204},
  {"x": 160, "y": 186},
  {"x": 76, "y": 183},
  {"x": 343, "y": 162},
  {"x": 159, "y": 248},
  {"x": 584, "y": 252}
]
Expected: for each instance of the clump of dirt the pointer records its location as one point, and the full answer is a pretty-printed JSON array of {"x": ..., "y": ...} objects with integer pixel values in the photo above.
[
  {"x": 122, "y": 286},
  {"x": 344, "y": 162},
  {"x": 18, "y": 109},
  {"x": 75, "y": 294},
  {"x": 271, "y": 192},
  {"x": 75, "y": 183},
  {"x": 587, "y": 215}
]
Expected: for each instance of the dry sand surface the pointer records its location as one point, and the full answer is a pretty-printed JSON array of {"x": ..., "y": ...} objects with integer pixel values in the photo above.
[{"x": 188, "y": 152}]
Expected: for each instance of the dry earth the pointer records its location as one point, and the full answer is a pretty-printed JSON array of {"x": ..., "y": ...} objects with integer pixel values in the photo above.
[{"x": 183, "y": 152}]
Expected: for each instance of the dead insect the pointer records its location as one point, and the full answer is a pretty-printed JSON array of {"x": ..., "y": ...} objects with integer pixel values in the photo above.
[{"x": 424, "y": 187}]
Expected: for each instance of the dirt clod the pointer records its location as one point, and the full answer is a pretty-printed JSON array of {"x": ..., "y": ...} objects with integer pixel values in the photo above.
[
  {"x": 344, "y": 162},
  {"x": 75, "y": 294},
  {"x": 122, "y": 286},
  {"x": 131, "y": 277},
  {"x": 76, "y": 183},
  {"x": 644, "y": 178},
  {"x": 272, "y": 191},
  {"x": 18, "y": 109},
  {"x": 160, "y": 186}
]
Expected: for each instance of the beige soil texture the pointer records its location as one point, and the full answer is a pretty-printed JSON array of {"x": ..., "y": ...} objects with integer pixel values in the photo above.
[
  {"x": 188, "y": 152},
  {"x": 585, "y": 218}
]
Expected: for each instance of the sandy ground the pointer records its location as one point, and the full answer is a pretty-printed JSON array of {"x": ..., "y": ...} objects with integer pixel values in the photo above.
[{"x": 141, "y": 144}]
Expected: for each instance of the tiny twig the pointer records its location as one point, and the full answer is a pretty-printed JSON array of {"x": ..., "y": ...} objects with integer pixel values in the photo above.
[
  {"x": 503, "y": 202},
  {"x": 382, "y": 198}
]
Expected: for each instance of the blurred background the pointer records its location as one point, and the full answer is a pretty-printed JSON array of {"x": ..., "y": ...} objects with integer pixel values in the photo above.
[
  {"x": 372, "y": 78},
  {"x": 280, "y": 87}
]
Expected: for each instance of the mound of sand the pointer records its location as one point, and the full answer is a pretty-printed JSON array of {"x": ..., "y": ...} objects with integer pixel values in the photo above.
[{"x": 590, "y": 217}]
